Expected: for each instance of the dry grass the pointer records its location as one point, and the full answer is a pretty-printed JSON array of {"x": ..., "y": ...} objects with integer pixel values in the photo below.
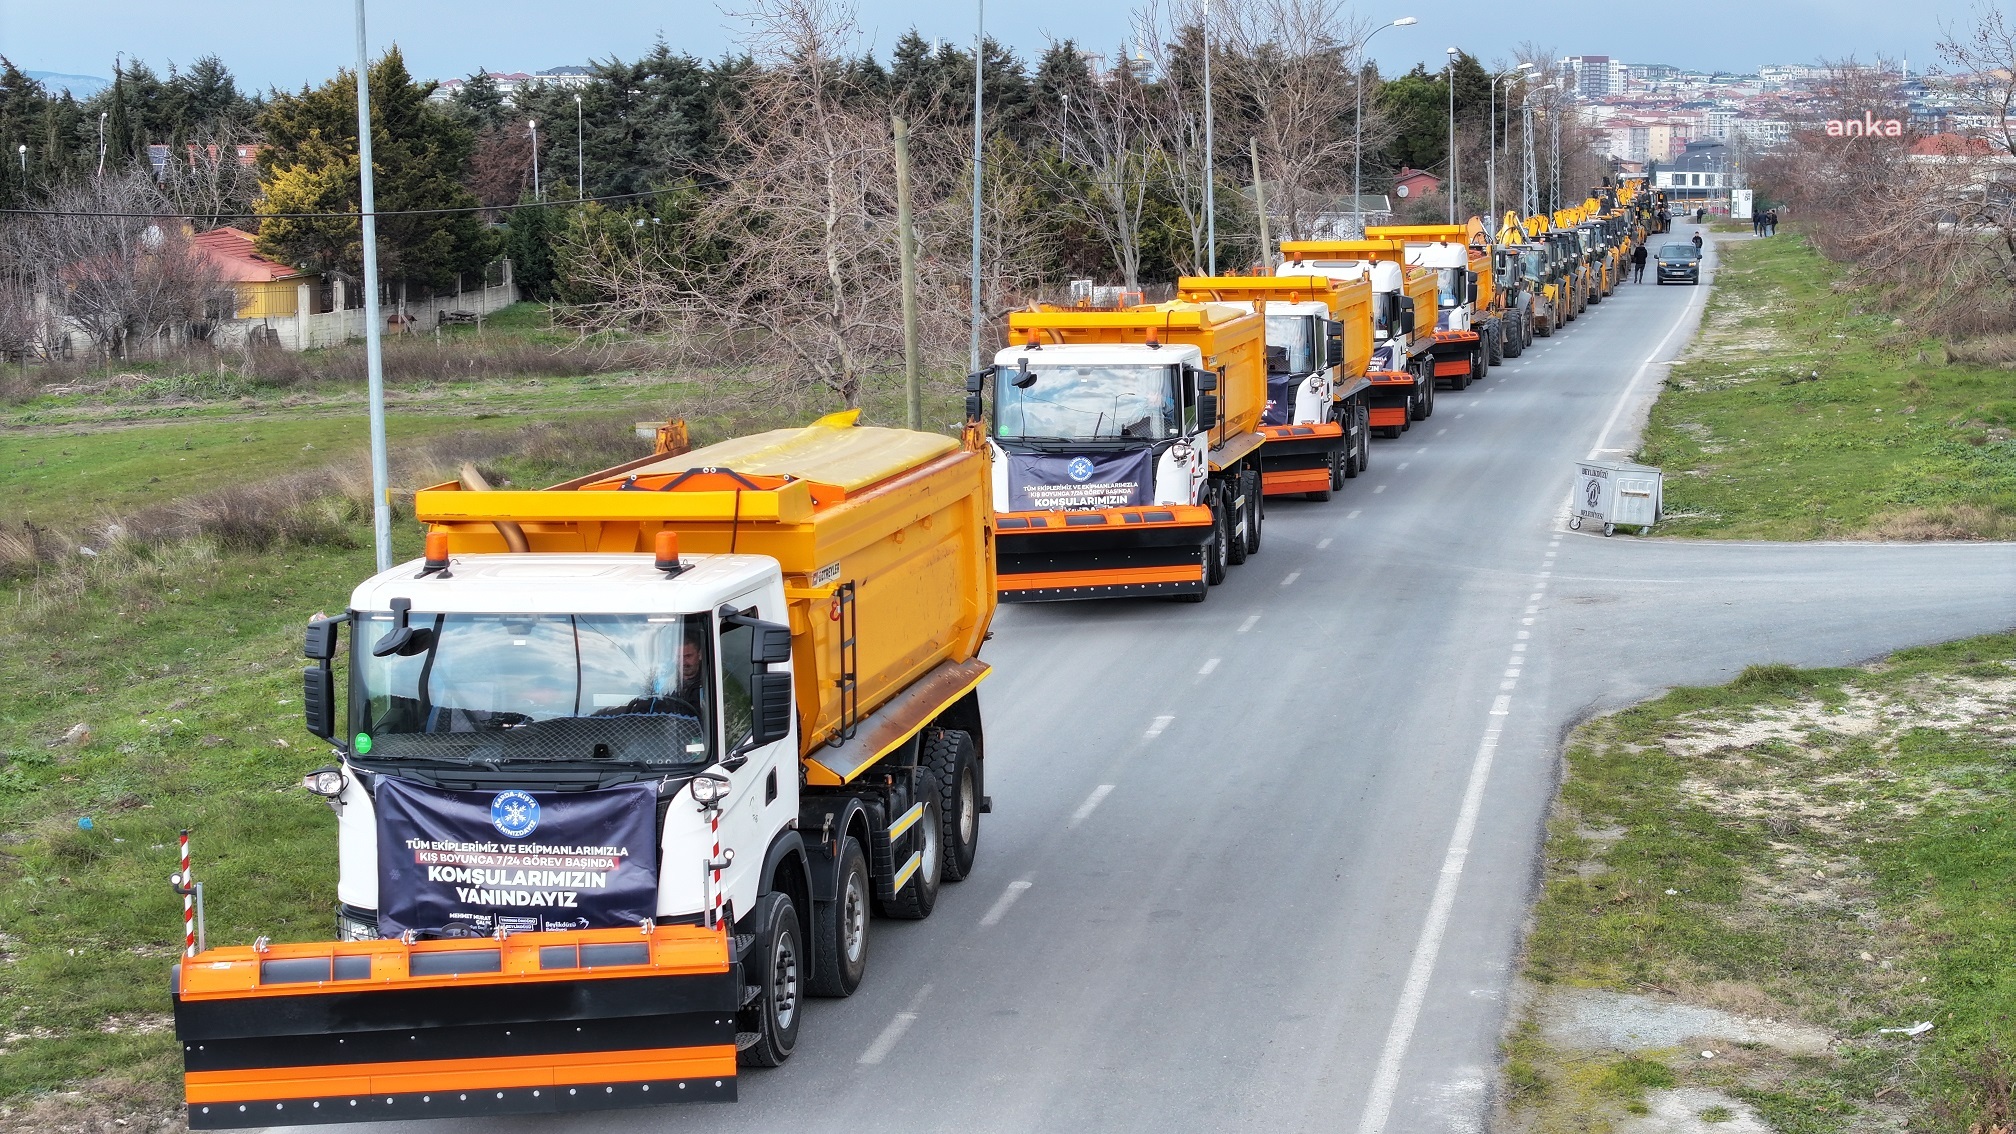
[
  {"x": 1987, "y": 350},
  {"x": 1952, "y": 521}
]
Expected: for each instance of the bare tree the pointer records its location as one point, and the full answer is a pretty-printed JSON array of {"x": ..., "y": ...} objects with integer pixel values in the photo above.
[
  {"x": 215, "y": 179},
  {"x": 1106, "y": 137},
  {"x": 1288, "y": 81},
  {"x": 116, "y": 263}
]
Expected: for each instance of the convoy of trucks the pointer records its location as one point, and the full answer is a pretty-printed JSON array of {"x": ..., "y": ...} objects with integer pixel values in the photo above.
[{"x": 624, "y": 766}]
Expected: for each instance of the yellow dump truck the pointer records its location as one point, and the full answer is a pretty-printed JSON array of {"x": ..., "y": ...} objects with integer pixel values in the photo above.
[
  {"x": 1404, "y": 316},
  {"x": 1319, "y": 345},
  {"x": 1127, "y": 450},
  {"x": 623, "y": 767}
]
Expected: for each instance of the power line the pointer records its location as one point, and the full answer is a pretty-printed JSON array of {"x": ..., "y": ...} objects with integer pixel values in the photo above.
[{"x": 336, "y": 216}]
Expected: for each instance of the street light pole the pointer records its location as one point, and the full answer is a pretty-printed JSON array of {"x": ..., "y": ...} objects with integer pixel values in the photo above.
[
  {"x": 101, "y": 141},
  {"x": 374, "y": 353},
  {"x": 580, "y": 151},
  {"x": 1493, "y": 164},
  {"x": 979, "y": 64},
  {"x": 1358, "y": 122},
  {"x": 1452, "y": 135},
  {"x": 533, "y": 125},
  {"x": 1210, "y": 197}
]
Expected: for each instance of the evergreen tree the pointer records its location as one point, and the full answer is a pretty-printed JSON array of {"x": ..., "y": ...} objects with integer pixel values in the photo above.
[
  {"x": 420, "y": 158},
  {"x": 481, "y": 103}
]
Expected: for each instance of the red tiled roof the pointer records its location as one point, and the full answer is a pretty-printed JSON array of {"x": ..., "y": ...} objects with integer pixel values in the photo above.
[
  {"x": 232, "y": 250},
  {"x": 1950, "y": 145}
]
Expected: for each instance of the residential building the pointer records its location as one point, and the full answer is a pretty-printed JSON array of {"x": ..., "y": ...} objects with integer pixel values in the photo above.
[
  {"x": 266, "y": 289},
  {"x": 1411, "y": 183}
]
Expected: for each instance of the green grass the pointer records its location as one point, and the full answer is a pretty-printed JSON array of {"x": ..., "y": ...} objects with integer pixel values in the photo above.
[
  {"x": 1802, "y": 412},
  {"x": 1852, "y": 867}
]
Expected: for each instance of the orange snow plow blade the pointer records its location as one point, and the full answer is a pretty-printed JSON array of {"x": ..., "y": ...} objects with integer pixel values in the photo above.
[{"x": 538, "y": 1023}]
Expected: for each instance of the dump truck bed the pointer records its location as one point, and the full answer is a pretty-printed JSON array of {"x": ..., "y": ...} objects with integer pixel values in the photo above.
[
  {"x": 1233, "y": 342},
  {"x": 884, "y": 537}
]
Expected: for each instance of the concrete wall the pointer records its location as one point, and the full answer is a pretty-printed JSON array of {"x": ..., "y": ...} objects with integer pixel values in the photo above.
[{"x": 334, "y": 328}]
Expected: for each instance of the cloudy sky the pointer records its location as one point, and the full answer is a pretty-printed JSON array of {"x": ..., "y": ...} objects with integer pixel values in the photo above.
[{"x": 286, "y": 44}]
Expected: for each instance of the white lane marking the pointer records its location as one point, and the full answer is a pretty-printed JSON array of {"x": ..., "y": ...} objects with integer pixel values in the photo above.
[
  {"x": 1248, "y": 624},
  {"x": 1292, "y": 576},
  {"x": 1209, "y": 665},
  {"x": 1325, "y": 541},
  {"x": 1501, "y": 706},
  {"x": 1378, "y": 490},
  {"x": 1513, "y": 672},
  {"x": 1386, "y": 1079},
  {"x": 1532, "y": 610},
  {"x": 1461, "y": 416},
  {"x": 886, "y": 1042},
  {"x": 1091, "y": 802},
  {"x": 1544, "y": 574},
  {"x": 1403, "y": 466},
  {"x": 1525, "y": 622},
  {"x": 1525, "y": 634},
  {"x": 1355, "y": 513},
  {"x": 1508, "y": 685},
  {"x": 1534, "y": 597},
  {"x": 1518, "y": 646},
  {"x": 1631, "y": 386},
  {"x": 1155, "y": 730},
  {"x": 1424, "y": 448},
  {"x": 1439, "y": 433},
  {"x": 999, "y": 909}
]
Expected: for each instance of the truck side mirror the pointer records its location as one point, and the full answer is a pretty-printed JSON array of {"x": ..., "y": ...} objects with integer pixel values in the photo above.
[
  {"x": 1207, "y": 412},
  {"x": 1207, "y": 381},
  {"x": 976, "y": 380},
  {"x": 769, "y": 707},
  {"x": 1406, "y": 319},
  {"x": 321, "y": 639},
  {"x": 1473, "y": 287},
  {"x": 318, "y": 700},
  {"x": 1333, "y": 343}
]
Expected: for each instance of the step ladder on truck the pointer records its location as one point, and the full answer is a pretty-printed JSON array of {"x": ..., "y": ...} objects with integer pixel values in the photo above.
[{"x": 623, "y": 766}]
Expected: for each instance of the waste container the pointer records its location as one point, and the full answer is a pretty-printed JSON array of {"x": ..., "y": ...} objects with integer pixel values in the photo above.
[{"x": 1616, "y": 492}]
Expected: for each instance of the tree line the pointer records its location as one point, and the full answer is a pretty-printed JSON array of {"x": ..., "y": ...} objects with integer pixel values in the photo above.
[{"x": 745, "y": 206}]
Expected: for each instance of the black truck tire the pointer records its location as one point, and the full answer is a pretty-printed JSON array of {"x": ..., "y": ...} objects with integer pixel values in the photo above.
[
  {"x": 950, "y": 756},
  {"x": 840, "y": 927},
  {"x": 919, "y": 895},
  {"x": 1218, "y": 553},
  {"x": 1256, "y": 509},
  {"x": 776, "y": 965},
  {"x": 1238, "y": 516}
]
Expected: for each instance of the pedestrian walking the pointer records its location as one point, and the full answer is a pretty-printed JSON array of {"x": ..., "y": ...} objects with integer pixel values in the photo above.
[
  {"x": 1697, "y": 242},
  {"x": 1638, "y": 258},
  {"x": 1771, "y": 222},
  {"x": 1757, "y": 223}
]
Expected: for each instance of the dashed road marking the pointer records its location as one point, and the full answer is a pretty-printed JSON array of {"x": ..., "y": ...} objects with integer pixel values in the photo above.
[
  {"x": 1292, "y": 576},
  {"x": 1091, "y": 802},
  {"x": 1155, "y": 730},
  {"x": 1000, "y": 907},
  {"x": 886, "y": 1042},
  {"x": 1209, "y": 665},
  {"x": 1248, "y": 624},
  {"x": 1325, "y": 541}
]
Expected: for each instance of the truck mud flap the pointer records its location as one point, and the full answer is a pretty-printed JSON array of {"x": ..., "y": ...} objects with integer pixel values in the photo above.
[
  {"x": 538, "y": 1023},
  {"x": 1298, "y": 458},
  {"x": 1109, "y": 553}
]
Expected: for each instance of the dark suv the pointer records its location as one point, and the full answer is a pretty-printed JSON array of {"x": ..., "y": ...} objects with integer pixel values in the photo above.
[{"x": 1679, "y": 262}]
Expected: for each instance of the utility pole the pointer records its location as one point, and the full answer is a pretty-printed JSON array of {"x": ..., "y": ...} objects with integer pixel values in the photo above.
[
  {"x": 101, "y": 141},
  {"x": 1529, "y": 187},
  {"x": 979, "y": 68},
  {"x": 906, "y": 248},
  {"x": 1210, "y": 196},
  {"x": 1260, "y": 203},
  {"x": 1452, "y": 135},
  {"x": 533, "y": 125},
  {"x": 374, "y": 350},
  {"x": 1554, "y": 158},
  {"x": 580, "y": 154}
]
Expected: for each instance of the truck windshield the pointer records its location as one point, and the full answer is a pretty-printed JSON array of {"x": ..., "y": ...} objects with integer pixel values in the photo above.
[
  {"x": 1535, "y": 267},
  {"x": 1291, "y": 333},
  {"x": 1451, "y": 287},
  {"x": 1068, "y": 402},
  {"x": 483, "y": 689}
]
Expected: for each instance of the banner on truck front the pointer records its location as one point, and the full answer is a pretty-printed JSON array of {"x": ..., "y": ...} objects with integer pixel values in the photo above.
[
  {"x": 1282, "y": 391},
  {"x": 1043, "y": 483},
  {"x": 468, "y": 863}
]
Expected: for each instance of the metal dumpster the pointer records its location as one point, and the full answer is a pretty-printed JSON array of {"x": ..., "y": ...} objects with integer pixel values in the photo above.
[{"x": 1616, "y": 492}]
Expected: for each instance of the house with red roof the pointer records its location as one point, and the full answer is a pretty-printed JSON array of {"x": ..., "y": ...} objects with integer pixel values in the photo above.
[
  {"x": 1414, "y": 183},
  {"x": 266, "y": 288}
]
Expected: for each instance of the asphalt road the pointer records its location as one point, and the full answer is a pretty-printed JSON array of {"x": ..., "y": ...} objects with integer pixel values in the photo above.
[{"x": 1263, "y": 862}]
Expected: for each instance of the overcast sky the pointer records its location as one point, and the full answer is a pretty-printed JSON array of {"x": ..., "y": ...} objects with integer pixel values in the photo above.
[{"x": 289, "y": 43}]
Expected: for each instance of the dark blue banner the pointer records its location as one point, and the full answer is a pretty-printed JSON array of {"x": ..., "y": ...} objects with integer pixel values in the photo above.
[
  {"x": 1043, "y": 483},
  {"x": 1281, "y": 391},
  {"x": 468, "y": 863}
]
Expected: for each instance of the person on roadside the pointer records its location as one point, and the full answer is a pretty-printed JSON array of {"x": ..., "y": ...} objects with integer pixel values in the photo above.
[
  {"x": 1638, "y": 258},
  {"x": 1697, "y": 242},
  {"x": 1701, "y": 215},
  {"x": 1771, "y": 222}
]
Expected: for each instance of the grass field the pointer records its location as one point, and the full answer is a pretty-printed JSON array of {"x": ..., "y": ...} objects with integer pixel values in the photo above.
[
  {"x": 180, "y": 659},
  {"x": 1801, "y": 412},
  {"x": 1830, "y": 851}
]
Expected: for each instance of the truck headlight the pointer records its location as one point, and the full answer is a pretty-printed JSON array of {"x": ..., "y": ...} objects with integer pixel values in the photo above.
[
  {"x": 709, "y": 789},
  {"x": 325, "y": 782}
]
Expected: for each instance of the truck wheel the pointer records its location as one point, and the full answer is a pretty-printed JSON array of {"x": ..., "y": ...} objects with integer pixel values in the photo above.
[
  {"x": 776, "y": 966},
  {"x": 1481, "y": 362},
  {"x": 949, "y": 753},
  {"x": 1364, "y": 438},
  {"x": 840, "y": 927},
  {"x": 1256, "y": 510},
  {"x": 1495, "y": 347},
  {"x": 919, "y": 895},
  {"x": 1218, "y": 553},
  {"x": 1424, "y": 405}
]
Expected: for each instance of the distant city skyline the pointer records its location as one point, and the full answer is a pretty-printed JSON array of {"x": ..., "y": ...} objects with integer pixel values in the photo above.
[{"x": 515, "y": 35}]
